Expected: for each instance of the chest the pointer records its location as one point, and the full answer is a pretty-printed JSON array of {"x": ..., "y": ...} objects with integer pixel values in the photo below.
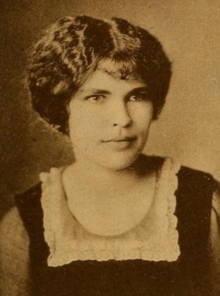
[
  {"x": 112, "y": 213},
  {"x": 189, "y": 275}
]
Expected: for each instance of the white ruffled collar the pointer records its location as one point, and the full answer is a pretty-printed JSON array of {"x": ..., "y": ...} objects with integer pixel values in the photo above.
[{"x": 154, "y": 239}]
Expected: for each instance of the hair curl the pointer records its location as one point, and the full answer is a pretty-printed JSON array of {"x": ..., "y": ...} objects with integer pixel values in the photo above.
[{"x": 74, "y": 46}]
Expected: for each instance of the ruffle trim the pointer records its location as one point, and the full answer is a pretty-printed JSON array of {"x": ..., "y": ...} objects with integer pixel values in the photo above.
[
  {"x": 154, "y": 239},
  {"x": 167, "y": 187}
]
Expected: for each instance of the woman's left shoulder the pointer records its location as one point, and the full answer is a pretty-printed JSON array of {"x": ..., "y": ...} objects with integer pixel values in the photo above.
[
  {"x": 215, "y": 217},
  {"x": 196, "y": 177},
  {"x": 214, "y": 238},
  {"x": 204, "y": 189},
  {"x": 216, "y": 199}
]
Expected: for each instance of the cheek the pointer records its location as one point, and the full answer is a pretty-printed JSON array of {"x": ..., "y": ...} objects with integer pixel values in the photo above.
[
  {"x": 142, "y": 116},
  {"x": 84, "y": 125}
]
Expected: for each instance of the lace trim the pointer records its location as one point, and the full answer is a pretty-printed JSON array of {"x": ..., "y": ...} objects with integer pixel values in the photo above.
[
  {"x": 155, "y": 238},
  {"x": 167, "y": 187}
]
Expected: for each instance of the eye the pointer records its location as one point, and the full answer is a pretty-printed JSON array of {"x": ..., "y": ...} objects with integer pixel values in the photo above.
[
  {"x": 95, "y": 98},
  {"x": 139, "y": 97}
]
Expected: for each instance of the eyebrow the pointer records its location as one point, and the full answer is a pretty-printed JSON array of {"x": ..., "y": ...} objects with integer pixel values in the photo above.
[
  {"x": 96, "y": 90},
  {"x": 107, "y": 92},
  {"x": 139, "y": 89}
]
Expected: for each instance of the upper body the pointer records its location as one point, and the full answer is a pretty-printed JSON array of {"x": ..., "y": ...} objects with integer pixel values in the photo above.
[
  {"x": 102, "y": 83},
  {"x": 58, "y": 244}
]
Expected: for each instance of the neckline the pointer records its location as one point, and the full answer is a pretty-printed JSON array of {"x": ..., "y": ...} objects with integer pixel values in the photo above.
[
  {"x": 133, "y": 244},
  {"x": 110, "y": 210}
]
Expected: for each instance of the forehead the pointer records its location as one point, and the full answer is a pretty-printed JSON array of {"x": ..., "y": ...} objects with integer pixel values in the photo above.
[
  {"x": 101, "y": 80},
  {"x": 123, "y": 69}
]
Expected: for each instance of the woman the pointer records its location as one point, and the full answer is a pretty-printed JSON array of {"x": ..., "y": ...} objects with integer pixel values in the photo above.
[{"x": 114, "y": 222}]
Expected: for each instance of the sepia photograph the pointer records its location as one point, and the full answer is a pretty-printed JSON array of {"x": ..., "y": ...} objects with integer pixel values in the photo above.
[{"x": 110, "y": 148}]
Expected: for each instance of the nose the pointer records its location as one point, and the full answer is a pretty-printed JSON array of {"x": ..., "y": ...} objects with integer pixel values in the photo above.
[{"x": 121, "y": 116}]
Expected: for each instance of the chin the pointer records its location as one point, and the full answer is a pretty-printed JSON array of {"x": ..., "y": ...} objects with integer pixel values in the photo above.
[{"x": 119, "y": 163}]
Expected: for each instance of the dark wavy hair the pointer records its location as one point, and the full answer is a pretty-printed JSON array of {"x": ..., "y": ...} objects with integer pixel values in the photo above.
[{"x": 73, "y": 47}]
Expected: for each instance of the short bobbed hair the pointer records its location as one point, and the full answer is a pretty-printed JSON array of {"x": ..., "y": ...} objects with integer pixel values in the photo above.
[{"x": 74, "y": 47}]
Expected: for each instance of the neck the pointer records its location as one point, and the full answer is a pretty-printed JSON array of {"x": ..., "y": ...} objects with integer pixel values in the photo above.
[
  {"x": 95, "y": 174},
  {"x": 109, "y": 202}
]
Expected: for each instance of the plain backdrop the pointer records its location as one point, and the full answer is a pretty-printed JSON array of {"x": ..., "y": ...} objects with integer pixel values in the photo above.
[{"x": 189, "y": 127}]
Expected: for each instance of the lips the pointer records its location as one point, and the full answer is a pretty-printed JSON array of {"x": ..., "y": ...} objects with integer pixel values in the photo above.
[
  {"x": 120, "y": 144},
  {"x": 120, "y": 139}
]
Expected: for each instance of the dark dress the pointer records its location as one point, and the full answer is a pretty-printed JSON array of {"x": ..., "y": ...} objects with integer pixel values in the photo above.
[{"x": 189, "y": 275}]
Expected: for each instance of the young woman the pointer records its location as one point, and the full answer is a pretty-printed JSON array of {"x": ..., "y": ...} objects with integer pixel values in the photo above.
[{"x": 114, "y": 222}]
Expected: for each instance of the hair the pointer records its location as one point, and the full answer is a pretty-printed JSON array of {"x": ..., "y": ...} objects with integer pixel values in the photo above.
[{"x": 73, "y": 47}]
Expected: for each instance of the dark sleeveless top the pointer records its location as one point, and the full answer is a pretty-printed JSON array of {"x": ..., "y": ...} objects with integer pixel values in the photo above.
[{"x": 189, "y": 275}]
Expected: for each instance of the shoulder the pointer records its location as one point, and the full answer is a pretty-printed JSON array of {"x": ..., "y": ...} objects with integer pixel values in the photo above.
[
  {"x": 184, "y": 172},
  {"x": 195, "y": 188},
  {"x": 215, "y": 237},
  {"x": 216, "y": 214},
  {"x": 11, "y": 222},
  {"x": 32, "y": 215},
  {"x": 189, "y": 180},
  {"x": 194, "y": 197},
  {"x": 14, "y": 255},
  {"x": 29, "y": 196},
  {"x": 29, "y": 206},
  {"x": 195, "y": 178}
]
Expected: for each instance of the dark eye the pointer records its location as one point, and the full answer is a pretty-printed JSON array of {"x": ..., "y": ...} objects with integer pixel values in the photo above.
[
  {"x": 95, "y": 98},
  {"x": 139, "y": 97}
]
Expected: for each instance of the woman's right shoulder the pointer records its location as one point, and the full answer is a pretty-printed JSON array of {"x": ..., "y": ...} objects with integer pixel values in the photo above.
[
  {"x": 13, "y": 232},
  {"x": 14, "y": 256}
]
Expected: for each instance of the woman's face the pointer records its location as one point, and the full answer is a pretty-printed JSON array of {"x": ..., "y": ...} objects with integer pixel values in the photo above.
[{"x": 109, "y": 120}]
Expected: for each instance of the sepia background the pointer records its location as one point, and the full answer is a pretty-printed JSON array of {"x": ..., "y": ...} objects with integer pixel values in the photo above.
[{"x": 189, "y": 126}]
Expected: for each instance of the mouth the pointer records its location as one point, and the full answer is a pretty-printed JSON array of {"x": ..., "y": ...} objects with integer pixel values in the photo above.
[
  {"x": 120, "y": 139},
  {"x": 120, "y": 143}
]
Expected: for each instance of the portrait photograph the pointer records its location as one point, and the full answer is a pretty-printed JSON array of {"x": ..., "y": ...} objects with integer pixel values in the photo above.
[{"x": 110, "y": 148}]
